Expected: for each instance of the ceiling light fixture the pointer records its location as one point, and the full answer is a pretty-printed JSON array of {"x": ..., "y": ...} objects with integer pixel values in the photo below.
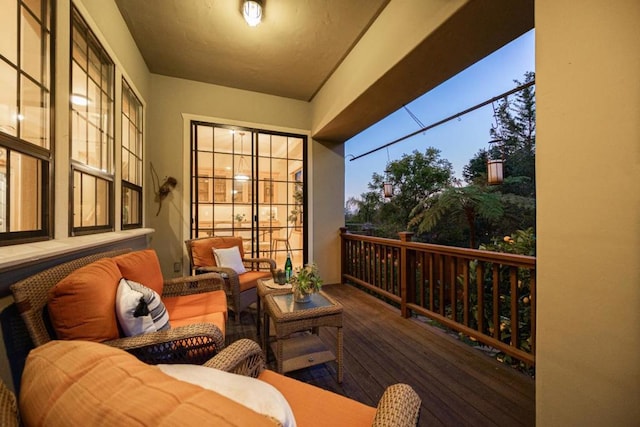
[
  {"x": 252, "y": 11},
  {"x": 241, "y": 176}
]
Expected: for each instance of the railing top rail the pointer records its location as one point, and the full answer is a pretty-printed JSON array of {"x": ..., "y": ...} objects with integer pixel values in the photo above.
[{"x": 482, "y": 255}]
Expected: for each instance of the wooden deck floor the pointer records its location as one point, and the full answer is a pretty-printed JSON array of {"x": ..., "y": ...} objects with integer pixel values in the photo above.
[{"x": 459, "y": 385}]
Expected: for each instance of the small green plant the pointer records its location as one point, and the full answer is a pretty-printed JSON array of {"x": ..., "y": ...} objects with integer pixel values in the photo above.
[{"x": 307, "y": 279}]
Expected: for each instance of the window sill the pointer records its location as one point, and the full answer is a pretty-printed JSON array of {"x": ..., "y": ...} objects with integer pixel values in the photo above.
[{"x": 19, "y": 261}]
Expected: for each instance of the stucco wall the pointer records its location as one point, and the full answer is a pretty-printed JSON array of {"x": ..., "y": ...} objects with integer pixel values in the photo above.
[
  {"x": 173, "y": 102},
  {"x": 588, "y": 175}
]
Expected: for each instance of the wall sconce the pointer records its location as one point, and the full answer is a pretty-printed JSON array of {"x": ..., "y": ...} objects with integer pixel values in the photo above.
[
  {"x": 252, "y": 11},
  {"x": 164, "y": 189}
]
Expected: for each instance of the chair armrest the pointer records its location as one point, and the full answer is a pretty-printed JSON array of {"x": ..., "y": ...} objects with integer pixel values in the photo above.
[
  {"x": 192, "y": 344},
  {"x": 243, "y": 357},
  {"x": 193, "y": 284},
  {"x": 261, "y": 263},
  {"x": 399, "y": 406}
]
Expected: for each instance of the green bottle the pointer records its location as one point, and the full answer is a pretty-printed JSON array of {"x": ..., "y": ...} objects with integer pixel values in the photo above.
[{"x": 288, "y": 267}]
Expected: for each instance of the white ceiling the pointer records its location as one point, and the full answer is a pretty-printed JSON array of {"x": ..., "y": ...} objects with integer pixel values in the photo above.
[{"x": 291, "y": 53}]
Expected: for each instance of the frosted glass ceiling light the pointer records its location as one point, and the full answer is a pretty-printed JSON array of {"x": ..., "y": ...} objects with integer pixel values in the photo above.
[{"x": 252, "y": 12}]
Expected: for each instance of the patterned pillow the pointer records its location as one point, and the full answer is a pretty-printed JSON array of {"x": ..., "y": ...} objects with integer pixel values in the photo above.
[{"x": 140, "y": 309}]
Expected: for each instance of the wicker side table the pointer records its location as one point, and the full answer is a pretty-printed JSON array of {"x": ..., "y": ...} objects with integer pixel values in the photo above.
[{"x": 307, "y": 349}]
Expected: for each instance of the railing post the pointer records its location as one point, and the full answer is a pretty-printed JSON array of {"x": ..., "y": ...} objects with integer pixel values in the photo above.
[
  {"x": 405, "y": 236},
  {"x": 343, "y": 253}
]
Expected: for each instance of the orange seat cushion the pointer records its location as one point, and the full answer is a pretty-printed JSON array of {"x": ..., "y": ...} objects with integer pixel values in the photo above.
[
  {"x": 313, "y": 406},
  {"x": 142, "y": 267},
  {"x": 81, "y": 383},
  {"x": 202, "y": 249},
  {"x": 82, "y": 305},
  {"x": 249, "y": 279},
  {"x": 205, "y": 307},
  {"x": 217, "y": 319}
]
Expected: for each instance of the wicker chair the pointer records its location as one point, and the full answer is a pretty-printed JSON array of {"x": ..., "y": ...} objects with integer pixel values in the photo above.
[
  {"x": 399, "y": 405},
  {"x": 241, "y": 289},
  {"x": 185, "y": 344},
  {"x": 9, "y": 416}
]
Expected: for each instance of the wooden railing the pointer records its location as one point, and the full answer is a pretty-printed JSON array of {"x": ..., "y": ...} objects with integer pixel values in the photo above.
[{"x": 488, "y": 296}]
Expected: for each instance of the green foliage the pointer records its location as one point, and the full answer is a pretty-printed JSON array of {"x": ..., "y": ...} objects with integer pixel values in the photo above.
[
  {"x": 428, "y": 200},
  {"x": 307, "y": 279},
  {"x": 521, "y": 242}
]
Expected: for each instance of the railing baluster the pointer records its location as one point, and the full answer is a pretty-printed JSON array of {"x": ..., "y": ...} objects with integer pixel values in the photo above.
[
  {"x": 496, "y": 301},
  {"x": 513, "y": 279},
  {"x": 465, "y": 293},
  {"x": 453, "y": 295},
  {"x": 532, "y": 311},
  {"x": 480, "y": 290},
  {"x": 431, "y": 282}
]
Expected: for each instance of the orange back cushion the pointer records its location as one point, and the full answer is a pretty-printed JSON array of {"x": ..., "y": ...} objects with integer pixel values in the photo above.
[
  {"x": 202, "y": 249},
  {"x": 82, "y": 305},
  {"x": 142, "y": 267}
]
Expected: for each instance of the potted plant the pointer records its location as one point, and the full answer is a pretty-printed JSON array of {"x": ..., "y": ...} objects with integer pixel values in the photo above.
[{"x": 304, "y": 282}]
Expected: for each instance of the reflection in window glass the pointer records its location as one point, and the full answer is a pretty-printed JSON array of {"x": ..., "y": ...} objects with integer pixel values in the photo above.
[
  {"x": 92, "y": 139},
  {"x": 25, "y": 176},
  {"x": 131, "y": 158},
  {"x": 25, "y": 140}
]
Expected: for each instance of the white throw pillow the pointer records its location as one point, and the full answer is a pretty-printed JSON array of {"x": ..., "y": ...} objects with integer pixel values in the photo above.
[
  {"x": 250, "y": 392},
  {"x": 131, "y": 296},
  {"x": 229, "y": 257}
]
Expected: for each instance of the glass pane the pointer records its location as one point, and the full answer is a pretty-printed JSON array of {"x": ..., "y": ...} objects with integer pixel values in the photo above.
[
  {"x": 264, "y": 167},
  {"x": 295, "y": 170},
  {"x": 223, "y": 140},
  {"x": 30, "y": 49},
  {"x": 79, "y": 134},
  {"x": 88, "y": 201},
  {"x": 3, "y": 190},
  {"x": 205, "y": 164},
  {"x": 93, "y": 147},
  {"x": 223, "y": 164},
  {"x": 26, "y": 190},
  {"x": 130, "y": 206},
  {"x": 35, "y": 6},
  {"x": 279, "y": 146},
  {"x": 264, "y": 145},
  {"x": 95, "y": 65},
  {"x": 102, "y": 202},
  {"x": 125, "y": 166},
  {"x": 280, "y": 192},
  {"x": 79, "y": 49},
  {"x": 205, "y": 138},
  {"x": 279, "y": 169},
  {"x": 9, "y": 25},
  {"x": 295, "y": 148},
  {"x": 8, "y": 99},
  {"x": 77, "y": 199},
  {"x": 32, "y": 126},
  {"x": 133, "y": 136}
]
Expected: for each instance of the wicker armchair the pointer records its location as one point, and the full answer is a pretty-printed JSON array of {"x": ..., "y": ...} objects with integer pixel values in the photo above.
[
  {"x": 399, "y": 405},
  {"x": 241, "y": 289},
  {"x": 9, "y": 416},
  {"x": 185, "y": 344}
]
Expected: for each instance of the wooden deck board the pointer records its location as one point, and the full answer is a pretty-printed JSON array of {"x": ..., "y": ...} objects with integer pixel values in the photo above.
[{"x": 458, "y": 385}]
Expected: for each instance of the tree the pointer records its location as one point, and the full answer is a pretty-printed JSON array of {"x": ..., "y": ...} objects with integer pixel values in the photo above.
[
  {"x": 515, "y": 129},
  {"x": 470, "y": 203},
  {"x": 414, "y": 177}
]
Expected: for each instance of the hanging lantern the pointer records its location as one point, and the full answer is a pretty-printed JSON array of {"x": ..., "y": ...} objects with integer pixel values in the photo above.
[
  {"x": 387, "y": 187},
  {"x": 495, "y": 171}
]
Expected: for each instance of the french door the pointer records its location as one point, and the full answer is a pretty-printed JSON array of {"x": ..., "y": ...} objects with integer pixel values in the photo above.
[{"x": 250, "y": 183}]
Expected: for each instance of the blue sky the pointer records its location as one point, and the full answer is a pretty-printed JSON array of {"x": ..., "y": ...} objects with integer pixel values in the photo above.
[{"x": 458, "y": 140}]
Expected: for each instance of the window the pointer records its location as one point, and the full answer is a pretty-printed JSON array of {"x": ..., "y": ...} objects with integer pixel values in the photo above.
[
  {"x": 131, "y": 158},
  {"x": 25, "y": 116},
  {"x": 92, "y": 105}
]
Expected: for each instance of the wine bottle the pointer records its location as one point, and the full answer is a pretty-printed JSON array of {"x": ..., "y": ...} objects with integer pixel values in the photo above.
[{"x": 288, "y": 267}]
